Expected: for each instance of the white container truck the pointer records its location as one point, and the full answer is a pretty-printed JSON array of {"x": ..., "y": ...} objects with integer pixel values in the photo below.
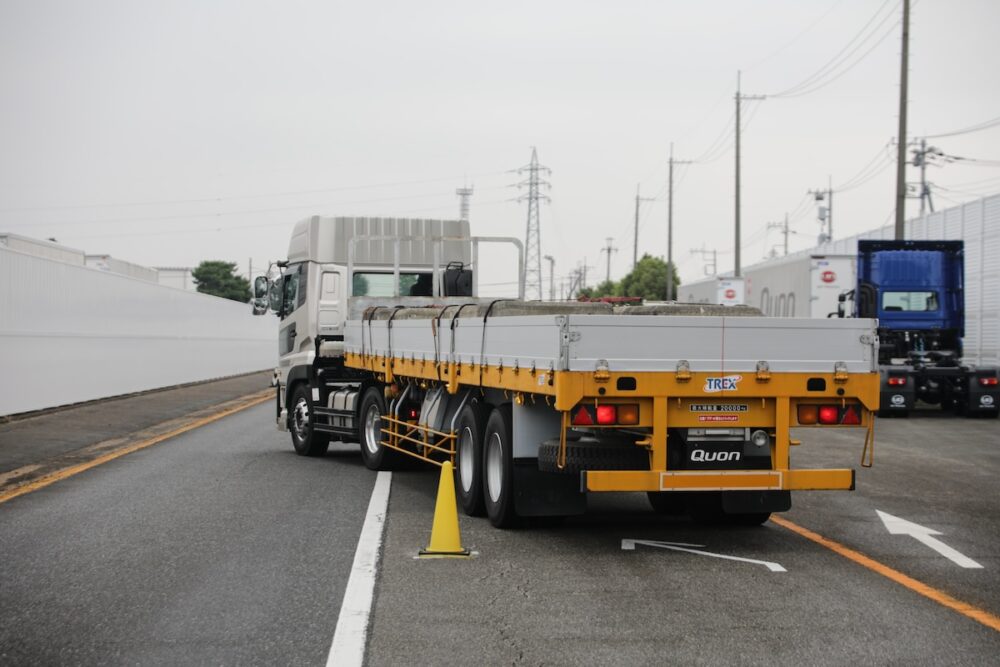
[
  {"x": 720, "y": 290},
  {"x": 799, "y": 286}
]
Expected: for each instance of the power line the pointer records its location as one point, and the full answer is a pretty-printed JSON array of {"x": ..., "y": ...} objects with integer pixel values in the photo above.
[
  {"x": 814, "y": 81},
  {"x": 978, "y": 127},
  {"x": 215, "y": 200}
]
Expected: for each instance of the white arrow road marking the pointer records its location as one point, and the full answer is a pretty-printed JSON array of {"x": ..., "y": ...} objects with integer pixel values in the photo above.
[
  {"x": 897, "y": 526},
  {"x": 629, "y": 545}
]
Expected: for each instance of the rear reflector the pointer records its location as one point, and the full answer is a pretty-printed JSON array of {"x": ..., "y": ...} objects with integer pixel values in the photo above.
[
  {"x": 808, "y": 414},
  {"x": 414, "y": 413},
  {"x": 988, "y": 382},
  {"x": 850, "y": 417},
  {"x": 582, "y": 417},
  {"x": 829, "y": 414},
  {"x": 897, "y": 381}
]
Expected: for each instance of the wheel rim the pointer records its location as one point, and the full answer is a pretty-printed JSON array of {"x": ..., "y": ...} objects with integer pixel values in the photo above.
[
  {"x": 300, "y": 418},
  {"x": 373, "y": 429},
  {"x": 465, "y": 462},
  {"x": 494, "y": 467}
]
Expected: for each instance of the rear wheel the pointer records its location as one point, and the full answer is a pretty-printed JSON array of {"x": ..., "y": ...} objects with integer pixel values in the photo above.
[
  {"x": 305, "y": 439},
  {"x": 373, "y": 453},
  {"x": 498, "y": 468},
  {"x": 469, "y": 458}
]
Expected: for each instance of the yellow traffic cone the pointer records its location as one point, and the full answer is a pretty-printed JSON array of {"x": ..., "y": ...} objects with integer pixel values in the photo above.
[{"x": 446, "y": 541}]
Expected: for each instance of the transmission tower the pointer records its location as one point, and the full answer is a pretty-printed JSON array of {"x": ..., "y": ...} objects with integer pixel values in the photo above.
[
  {"x": 532, "y": 236},
  {"x": 464, "y": 194}
]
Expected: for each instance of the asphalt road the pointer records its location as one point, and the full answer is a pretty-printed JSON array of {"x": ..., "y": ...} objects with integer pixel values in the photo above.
[{"x": 222, "y": 546}]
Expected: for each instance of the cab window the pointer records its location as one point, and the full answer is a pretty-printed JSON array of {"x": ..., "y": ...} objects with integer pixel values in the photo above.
[{"x": 920, "y": 302}]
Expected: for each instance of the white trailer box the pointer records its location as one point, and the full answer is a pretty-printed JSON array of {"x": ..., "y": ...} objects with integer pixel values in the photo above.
[
  {"x": 799, "y": 286},
  {"x": 726, "y": 291}
]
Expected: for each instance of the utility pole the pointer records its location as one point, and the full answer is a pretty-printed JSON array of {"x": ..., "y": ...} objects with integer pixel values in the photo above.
[
  {"x": 708, "y": 253},
  {"x": 824, "y": 213},
  {"x": 532, "y": 240},
  {"x": 739, "y": 103},
  {"x": 608, "y": 249},
  {"x": 463, "y": 203},
  {"x": 552, "y": 277},
  {"x": 783, "y": 226},
  {"x": 901, "y": 144},
  {"x": 635, "y": 241},
  {"x": 670, "y": 222}
]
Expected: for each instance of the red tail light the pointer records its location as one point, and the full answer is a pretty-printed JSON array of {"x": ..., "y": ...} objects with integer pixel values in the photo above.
[
  {"x": 582, "y": 417},
  {"x": 897, "y": 381},
  {"x": 829, "y": 414},
  {"x": 988, "y": 382},
  {"x": 606, "y": 415},
  {"x": 414, "y": 413}
]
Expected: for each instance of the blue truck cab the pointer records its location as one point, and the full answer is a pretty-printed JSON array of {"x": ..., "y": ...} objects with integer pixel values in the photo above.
[{"x": 915, "y": 289}]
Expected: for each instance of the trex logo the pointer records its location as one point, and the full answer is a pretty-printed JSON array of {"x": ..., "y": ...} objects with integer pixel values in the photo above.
[{"x": 726, "y": 383}]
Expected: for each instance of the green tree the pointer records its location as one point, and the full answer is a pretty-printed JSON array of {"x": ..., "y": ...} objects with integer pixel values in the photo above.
[
  {"x": 219, "y": 279},
  {"x": 648, "y": 279}
]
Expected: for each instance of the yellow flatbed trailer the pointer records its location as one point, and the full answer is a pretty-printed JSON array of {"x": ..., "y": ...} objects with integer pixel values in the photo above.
[{"x": 537, "y": 404}]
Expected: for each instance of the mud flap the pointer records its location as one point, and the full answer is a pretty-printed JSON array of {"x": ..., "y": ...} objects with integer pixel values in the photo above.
[
  {"x": 538, "y": 493},
  {"x": 751, "y": 502}
]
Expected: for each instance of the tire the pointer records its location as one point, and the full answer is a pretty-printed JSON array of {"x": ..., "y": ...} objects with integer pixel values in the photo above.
[
  {"x": 498, "y": 468},
  {"x": 667, "y": 503},
  {"x": 305, "y": 439},
  {"x": 469, "y": 458},
  {"x": 374, "y": 455},
  {"x": 592, "y": 454}
]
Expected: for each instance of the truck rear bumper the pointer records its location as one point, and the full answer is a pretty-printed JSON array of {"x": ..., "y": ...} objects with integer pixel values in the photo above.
[{"x": 718, "y": 480}]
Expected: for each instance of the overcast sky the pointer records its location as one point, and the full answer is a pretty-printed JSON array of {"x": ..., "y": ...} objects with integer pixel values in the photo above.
[{"x": 166, "y": 133}]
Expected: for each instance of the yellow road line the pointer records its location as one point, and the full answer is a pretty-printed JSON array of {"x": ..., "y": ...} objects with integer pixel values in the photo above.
[
  {"x": 942, "y": 598},
  {"x": 54, "y": 477}
]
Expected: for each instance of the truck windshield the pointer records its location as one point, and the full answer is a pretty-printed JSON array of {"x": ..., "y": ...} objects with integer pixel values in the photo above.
[
  {"x": 910, "y": 301},
  {"x": 381, "y": 284}
]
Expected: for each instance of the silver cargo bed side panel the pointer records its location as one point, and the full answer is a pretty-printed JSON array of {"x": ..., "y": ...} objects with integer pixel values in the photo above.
[
  {"x": 651, "y": 343},
  {"x": 728, "y": 343}
]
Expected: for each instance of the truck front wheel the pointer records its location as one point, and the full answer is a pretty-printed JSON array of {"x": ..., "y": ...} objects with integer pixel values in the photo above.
[
  {"x": 305, "y": 439},
  {"x": 498, "y": 468}
]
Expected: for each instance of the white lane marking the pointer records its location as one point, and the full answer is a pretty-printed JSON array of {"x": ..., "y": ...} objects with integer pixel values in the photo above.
[
  {"x": 922, "y": 534},
  {"x": 350, "y": 637},
  {"x": 629, "y": 545}
]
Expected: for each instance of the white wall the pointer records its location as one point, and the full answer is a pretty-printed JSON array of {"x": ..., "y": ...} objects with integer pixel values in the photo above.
[{"x": 71, "y": 333}]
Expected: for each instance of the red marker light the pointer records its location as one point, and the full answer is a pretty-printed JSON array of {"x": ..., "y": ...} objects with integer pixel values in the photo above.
[
  {"x": 897, "y": 381},
  {"x": 829, "y": 414},
  {"x": 988, "y": 382},
  {"x": 606, "y": 415}
]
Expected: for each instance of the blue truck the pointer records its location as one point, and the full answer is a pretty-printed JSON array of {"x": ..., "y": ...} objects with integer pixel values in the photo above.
[{"x": 915, "y": 290}]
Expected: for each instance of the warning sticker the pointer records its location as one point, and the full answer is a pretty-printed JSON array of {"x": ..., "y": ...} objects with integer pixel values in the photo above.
[
  {"x": 719, "y": 407},
  {"x": 718, "y": 418}
]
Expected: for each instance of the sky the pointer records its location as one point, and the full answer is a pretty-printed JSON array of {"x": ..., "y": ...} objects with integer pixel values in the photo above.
[{"x": 167, "y": 133}]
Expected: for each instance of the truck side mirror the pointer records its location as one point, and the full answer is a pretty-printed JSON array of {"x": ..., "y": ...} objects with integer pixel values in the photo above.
[
  {"x": 258, "y": 305},
  {"x": 260, "y": 285}
]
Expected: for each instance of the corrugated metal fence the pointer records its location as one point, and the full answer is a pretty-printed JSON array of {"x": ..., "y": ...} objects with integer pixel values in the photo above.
[{"x": 71, "y": 333}]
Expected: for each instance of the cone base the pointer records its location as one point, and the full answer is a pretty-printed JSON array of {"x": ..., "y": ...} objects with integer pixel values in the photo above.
[{"x": 426, "y": 553}]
